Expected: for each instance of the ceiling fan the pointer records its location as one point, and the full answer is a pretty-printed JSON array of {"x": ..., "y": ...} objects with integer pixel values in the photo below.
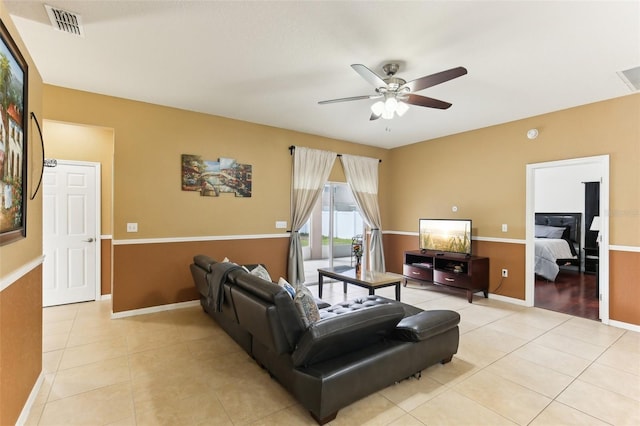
[{"x": 395, "y": 94}]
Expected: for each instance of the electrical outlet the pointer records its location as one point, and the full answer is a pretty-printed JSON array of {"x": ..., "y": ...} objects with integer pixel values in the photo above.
[
  {"x": 505, "y": 273},
  {"x": 504, "y": 227},
  {"x": 281, "y": 224},
  {"x": 132, "y": 227}
]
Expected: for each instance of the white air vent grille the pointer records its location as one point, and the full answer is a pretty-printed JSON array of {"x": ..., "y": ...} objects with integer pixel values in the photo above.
[
  {"x": 65, "y": 21},
  {"x": 631, "y": 77}
]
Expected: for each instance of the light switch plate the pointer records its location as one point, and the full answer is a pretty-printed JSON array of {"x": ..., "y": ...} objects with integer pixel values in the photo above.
[{"x": 281, "y": 224}]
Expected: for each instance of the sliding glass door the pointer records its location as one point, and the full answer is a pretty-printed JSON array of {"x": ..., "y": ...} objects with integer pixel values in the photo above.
[{"x": 328, "y": 235}]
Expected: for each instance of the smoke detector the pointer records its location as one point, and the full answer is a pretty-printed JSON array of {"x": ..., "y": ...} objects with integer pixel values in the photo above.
[{"x": 65, "y": 21}]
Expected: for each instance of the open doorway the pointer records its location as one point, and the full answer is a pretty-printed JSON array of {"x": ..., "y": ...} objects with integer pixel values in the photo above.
[
  {"x": 328, "y": 235},
  {"x": 559, "y": 188}
]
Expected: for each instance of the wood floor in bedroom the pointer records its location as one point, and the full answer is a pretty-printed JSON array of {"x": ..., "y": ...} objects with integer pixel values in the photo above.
[{"x": 572, "y": 293}]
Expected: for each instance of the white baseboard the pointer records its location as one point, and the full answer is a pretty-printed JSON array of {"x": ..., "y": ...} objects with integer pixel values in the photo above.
[
  {"x": 26, "y": 410},
  {"x": 154, "y": 309},
  {"x": 105, "y": 297},
  {"x": 625, "y": 325},
  {"x": 513, "y": 300}
]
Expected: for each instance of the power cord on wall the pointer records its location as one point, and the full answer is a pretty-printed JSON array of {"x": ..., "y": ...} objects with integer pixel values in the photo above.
[{"x": 499, "y": 285}]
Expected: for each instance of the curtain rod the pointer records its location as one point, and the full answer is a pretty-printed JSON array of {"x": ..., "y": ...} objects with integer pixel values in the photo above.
[{"x": 293, "y": 148}]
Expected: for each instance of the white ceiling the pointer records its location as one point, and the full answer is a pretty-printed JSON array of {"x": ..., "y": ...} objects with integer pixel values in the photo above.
[{"x": 271, "y": 62}]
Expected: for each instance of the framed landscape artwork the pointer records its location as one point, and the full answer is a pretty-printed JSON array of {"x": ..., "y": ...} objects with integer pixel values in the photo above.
[
  {"x": 212, "y": 178},
  {"x": 13, "y": 140}
]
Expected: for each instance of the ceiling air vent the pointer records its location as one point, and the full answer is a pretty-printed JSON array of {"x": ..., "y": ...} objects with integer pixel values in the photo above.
[
  {"x": 65, "y": 21},
  {"x": 631, "y": 77}
]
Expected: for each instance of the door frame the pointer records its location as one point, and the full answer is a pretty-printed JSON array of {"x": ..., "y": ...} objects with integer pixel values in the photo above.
[
  {"x": 602, "y": 161},
  {"x": 98, "y": 225}
]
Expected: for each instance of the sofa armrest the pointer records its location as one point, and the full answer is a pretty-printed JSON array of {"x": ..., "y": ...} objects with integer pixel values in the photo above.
[
  {"x": 346, "y": 332},
  {"x": 425, "y": 325}
]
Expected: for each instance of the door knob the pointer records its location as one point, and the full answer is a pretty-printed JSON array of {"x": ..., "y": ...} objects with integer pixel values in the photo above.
[{"x": 90, "y": 240}]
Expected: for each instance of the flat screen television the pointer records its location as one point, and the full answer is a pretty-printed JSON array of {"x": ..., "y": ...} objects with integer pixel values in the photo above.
[{"x": 445, "y": 235}]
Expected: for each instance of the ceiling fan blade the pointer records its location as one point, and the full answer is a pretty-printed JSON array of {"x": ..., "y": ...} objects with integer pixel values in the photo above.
[
  {"x": 353, "y": 98},
  {"x": 427, "y": 102},
  {"x": 374, "y": 79},
  {"x": 374, "y": 116},
  {"x": 433, "y": 79}
]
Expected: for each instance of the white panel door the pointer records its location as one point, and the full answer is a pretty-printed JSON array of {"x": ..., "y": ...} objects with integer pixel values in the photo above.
[{"x": 70, "y": 229}]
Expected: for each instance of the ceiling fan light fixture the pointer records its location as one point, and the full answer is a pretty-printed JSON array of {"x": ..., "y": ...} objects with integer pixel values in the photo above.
[
  {"x": 390, "y": 104},
  {"x": 387, "y": 115},
  {"x": 377, "y": 108},
  {"x": 401, "y": 108}
]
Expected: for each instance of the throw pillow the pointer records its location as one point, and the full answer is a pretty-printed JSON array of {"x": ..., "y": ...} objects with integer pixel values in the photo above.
[
  {"x": 306, "y": 305},
  {"x": 284, "y": 284},
  {"x": 260, "y": 271}
]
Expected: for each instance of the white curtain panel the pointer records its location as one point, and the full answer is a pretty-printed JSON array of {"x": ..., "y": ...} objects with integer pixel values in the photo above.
[
  {"x": 311, "y": 168},
  {"x": 362, "y": 177}
]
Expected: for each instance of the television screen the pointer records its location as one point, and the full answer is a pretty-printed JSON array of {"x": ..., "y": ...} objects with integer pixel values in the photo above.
[{"x": 445, "y": 235}]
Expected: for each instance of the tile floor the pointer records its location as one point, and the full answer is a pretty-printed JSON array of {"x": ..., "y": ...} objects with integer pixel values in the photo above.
[{"x": 515, "y": 365}]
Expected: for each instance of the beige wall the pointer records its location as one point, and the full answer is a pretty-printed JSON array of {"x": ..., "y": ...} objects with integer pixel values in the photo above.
[
  {"x": 20, "y": 273},
  {"x": 483, "y": 171},
  {"x": 149, "y": 140}
]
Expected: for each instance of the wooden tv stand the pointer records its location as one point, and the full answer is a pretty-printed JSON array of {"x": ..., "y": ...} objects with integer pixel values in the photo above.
[{"x": 470, "y": 273}]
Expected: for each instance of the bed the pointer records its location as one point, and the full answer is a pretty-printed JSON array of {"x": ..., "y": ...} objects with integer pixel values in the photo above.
[{"x": 557, "y": 243}]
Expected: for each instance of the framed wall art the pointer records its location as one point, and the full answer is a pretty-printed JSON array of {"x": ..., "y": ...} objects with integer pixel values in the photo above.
[{"x": 13, "y": 140}]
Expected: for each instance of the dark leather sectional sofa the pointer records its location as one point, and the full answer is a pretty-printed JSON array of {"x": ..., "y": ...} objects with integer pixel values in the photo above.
[{"x": 355, "y": 349}]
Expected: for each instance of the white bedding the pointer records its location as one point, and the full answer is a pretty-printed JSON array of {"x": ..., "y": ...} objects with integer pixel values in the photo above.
[{"x": 548, "y": 250}]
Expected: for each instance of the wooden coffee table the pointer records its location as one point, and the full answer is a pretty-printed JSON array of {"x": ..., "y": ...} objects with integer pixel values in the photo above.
[{"x": 366, "y": 279}]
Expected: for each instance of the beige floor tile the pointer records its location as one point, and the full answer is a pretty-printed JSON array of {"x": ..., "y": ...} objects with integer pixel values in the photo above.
[
  {"x": 514, "y": 328},
  {"x": 511, "y": 400},
  {"x": 89, "y": 377},
  {"x": 615, "y": 380},
  {"x": 589, "y": 331},
  {"x": 59, "y": 313},
  {"x": 54, "y": 342},
  {"x": 495, "y": 339},
  {"x": 214, "y": 346},
  {"x": 630, "y": 340},
  {"x": 180, "y": 368},
  {"x": 540, "y": 318},
  {"x": 294, "y": 415},
  {"x": 559, "y": 361},
  {"x": 601, "y": 403},
  {"x": 451, "y": 373},
  {"x": 57, "y": 327},
  {"x": 411, "y": 393},
  {"x": 265, "y": 397},
  {"x": 452, "y": 408},
  {"x": 141, "y": 340},
  {"x": 371, "y": 410},
  {"x": 51, "y": 361},
  {"x": 478, "y": 353},
  {"x": 557, "y": 414},
  {"x": 406, "y": 420},
  {"x": 94, "y": 407},
  {"x": 570, "y": 345},
  {"x": 93, "y": 334},
  {"x": 622, "y": 358},
  {"x": 533, "y": 376},
  {"x": 445, "y": 302},
  {"x": 483, "y": 315},
  {"x": 93, "y": 352}
]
